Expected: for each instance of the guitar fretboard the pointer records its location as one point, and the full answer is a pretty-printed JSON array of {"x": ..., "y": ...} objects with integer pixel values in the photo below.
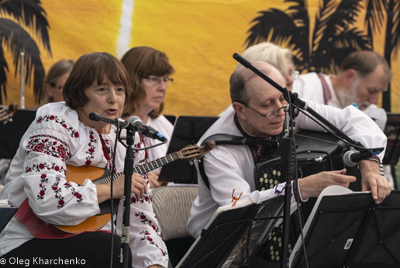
[{"x": 144, "y": 168}]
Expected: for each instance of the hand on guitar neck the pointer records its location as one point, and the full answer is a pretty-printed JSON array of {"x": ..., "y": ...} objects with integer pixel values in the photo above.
[{"x": 139, "y": 187}]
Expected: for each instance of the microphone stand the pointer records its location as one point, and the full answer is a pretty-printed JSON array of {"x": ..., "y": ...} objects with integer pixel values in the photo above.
[
  {"x": 128, "y": 172},
  {"x": 287, "y": 147}
]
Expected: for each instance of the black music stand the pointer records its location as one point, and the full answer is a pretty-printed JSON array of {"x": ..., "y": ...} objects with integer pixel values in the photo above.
[
  {"x": 234, "y": 237},
  {"x": 171, "y": 118},
  {"x": 12, "y": 132},
  {"x": 350, "y": 230},
  {"x": 187, "y": 131}
]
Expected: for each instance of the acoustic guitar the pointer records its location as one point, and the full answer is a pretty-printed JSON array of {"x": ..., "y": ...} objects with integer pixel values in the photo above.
[
  {"x": 6, "y": 113},
  {"x": 100, "y": 176}
]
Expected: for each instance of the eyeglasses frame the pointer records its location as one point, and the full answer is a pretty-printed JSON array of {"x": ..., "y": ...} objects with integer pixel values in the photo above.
[
  {"x": 168, "y": 83},
  {"x": 284, "y": 107}
]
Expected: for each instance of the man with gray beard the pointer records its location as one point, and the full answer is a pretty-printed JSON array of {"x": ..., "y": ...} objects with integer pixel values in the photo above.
[{"x": 363, "y": 75}]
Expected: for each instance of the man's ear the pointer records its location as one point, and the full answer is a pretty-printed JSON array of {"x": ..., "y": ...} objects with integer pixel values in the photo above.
[
  {"x": 349, "y": 77},
  {"x": 239, "y": 107}
]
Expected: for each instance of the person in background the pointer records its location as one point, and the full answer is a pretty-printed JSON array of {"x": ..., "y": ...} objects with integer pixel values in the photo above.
[
  {"x": 276, "y": 55},
  {"x": 55, "y": 80},
  {"x": 39, "y": 185},
  {"x": 52, "y": 91},
  {"x": 149, "y": 73},
  {"x": 362, "y": 77}
]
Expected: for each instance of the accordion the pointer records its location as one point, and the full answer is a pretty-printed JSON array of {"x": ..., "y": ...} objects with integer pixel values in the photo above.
[{"x": 315, "y": 152}]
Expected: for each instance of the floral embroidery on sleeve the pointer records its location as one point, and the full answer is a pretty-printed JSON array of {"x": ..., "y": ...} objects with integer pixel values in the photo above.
[
  {"x": 151, "y": 242},
  {"x": 43, "y": 166},
  {"x": 49, "y": 145},
  {"x": 47, "y": 118},
  {"x": 145, "y": 220},
  {"x": 146, "y": 198},
  {"x": 57, "y": 190},
  {"x": 43, "y": 180}
]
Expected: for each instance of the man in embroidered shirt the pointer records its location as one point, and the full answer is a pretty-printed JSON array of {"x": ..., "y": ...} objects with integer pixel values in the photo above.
[{"x": 258, "y": 112}]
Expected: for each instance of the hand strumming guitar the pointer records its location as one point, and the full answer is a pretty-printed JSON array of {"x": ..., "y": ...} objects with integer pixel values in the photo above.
[{"x": 139, "y": 187}]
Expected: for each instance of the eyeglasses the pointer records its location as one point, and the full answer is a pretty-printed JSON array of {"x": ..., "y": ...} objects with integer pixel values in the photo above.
[
  {"x": 54, "y": 85},
  {"x": 270, "y": 114},
  {"x": 294, "y": 74},
  {"x": 155, "y": 80}
]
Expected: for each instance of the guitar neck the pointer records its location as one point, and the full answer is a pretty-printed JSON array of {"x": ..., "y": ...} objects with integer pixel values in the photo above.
[
  {"x": 156, "y": 163},
  {"x": 142, "y": 168}
]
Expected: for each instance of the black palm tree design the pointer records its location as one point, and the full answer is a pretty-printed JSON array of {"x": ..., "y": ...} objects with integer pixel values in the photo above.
[
  {"x": 30, "y": 14},
  {"x": 374, "y": 21},
  {"x": 332, "y": 38}
]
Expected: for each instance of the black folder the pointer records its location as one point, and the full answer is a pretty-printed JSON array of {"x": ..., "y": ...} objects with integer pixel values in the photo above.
[
  {"x": 234, "y": 236},
  {"x": 350, "y": 230}
]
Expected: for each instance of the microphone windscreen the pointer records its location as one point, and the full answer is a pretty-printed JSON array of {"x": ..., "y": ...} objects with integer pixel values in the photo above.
[
  {"x": 93, "y": 116},
  {"x": 134, "y": 119}
]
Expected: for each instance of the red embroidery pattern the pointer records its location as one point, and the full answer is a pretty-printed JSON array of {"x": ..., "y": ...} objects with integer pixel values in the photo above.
[
  {"x": 47, "y": 118},
  {"x": 43, "y": 166},
  {"x": 49, "y": 145},
  {"x": 146, "y": 198},
  {"x": 58, "y": 190},
  {"x": 145, "y": 220},
  {"x": 151, "y": 242},
  {"x": 90, "y": 151},
  {"x": 43, "y": 179},
  {"x": 107, "y": 151}
]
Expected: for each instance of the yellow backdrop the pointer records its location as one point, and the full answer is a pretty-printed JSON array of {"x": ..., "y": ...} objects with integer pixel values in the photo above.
[{"x": 199, "y": 36}]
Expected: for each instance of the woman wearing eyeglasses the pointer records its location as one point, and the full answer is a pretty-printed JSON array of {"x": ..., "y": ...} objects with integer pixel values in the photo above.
[
  {"x": 55, "y": 80},
  {"x": 149, "y": 73}
]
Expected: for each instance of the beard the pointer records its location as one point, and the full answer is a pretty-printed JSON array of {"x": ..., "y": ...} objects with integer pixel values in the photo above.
[{"x": 349, "y": 96}]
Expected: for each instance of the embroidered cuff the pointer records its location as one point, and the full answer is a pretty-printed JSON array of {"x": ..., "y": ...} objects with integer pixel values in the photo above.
[{"x": 375, "y": 158}]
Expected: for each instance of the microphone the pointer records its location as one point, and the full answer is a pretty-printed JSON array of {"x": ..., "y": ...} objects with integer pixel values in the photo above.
[
  {"x": 146, "y": 130},
  {"x": 351, "y": 158},
  {"x": 135, "y": 121},
  {"x": 96, "y": 117}
]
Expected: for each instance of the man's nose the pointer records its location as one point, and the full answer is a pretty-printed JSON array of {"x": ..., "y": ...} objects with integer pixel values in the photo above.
[{"x": 374, "y": 98}]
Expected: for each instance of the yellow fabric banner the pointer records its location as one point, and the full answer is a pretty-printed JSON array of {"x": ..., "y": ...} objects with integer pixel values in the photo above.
[{"x": 199, "y": 36}]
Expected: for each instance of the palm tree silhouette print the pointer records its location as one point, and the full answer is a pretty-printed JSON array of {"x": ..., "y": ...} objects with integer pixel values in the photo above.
[
  {"x": 332, "y": 39},
  {"x": 19, "y": 14}
]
